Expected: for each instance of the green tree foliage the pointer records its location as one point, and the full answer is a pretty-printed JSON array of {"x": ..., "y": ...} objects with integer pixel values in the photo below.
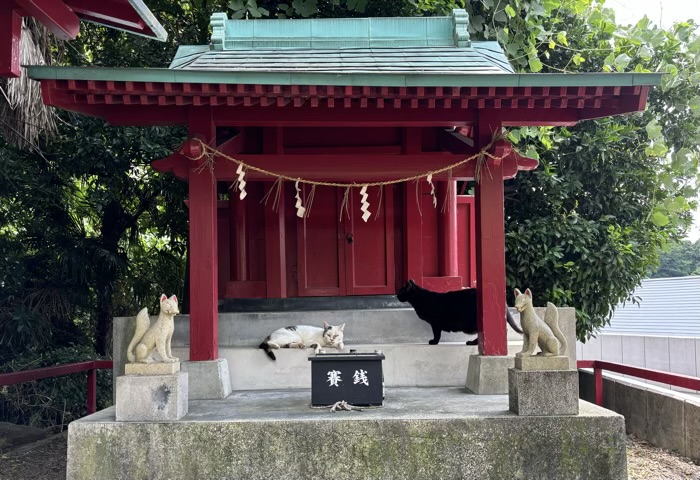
[
  {"x": 680, "y": 260},
  {"x": 52, "y": 402},
  {"x": 585, "y": 227},
  {"x": 77, "y": 220}
]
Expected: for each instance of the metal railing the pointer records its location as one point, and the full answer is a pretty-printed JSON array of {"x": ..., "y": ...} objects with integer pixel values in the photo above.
[
  {"x": 90, "y": 366},
  {"x": 675, "y": 379}
]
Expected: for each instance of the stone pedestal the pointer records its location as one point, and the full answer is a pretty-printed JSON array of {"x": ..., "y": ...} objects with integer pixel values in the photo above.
[
  {"x": 488, "y": 375},
  {"x": 148, "y": 397},
  {"x": 209, "y": 380},
  {"x": 543, "y": 386}
]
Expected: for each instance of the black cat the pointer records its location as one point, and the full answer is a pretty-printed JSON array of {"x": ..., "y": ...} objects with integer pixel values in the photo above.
[{"x": 453, "y": 311}]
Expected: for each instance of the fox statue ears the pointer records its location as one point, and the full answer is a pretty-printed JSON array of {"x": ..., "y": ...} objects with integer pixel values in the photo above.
[
  {"x": 517, "y": 292},
  {"x": 164, "y": 297}
]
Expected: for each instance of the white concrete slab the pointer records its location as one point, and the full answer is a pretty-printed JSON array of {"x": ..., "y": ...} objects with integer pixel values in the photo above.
[
  {"x": 592, "y": 349},
  {"x": 633, "y": 350},
  {"x": 611, "y": 348},
  {"x": 406, "y": 365}
]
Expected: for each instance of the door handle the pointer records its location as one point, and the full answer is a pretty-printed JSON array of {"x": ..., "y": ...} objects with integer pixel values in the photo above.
[{"x": 349, "y": 238}]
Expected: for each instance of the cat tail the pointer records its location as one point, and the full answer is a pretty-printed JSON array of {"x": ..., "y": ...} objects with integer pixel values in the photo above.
[
  {"x": 268, "y": 350},
  {"x": 142, "y": 324},
  {"x": 551, "y": 318},
  {"x": 511, "y": 322}
]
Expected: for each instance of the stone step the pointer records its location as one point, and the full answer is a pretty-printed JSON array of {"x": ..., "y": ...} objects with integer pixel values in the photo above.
[
  {"x": 386, "y": 325},
  {"x": 399, "y": 333},
  {"x": 405, "y": 365}
]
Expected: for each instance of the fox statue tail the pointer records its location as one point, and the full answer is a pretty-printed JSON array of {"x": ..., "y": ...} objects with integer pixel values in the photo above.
[
  {"x": 551, "y": 318},
  {"x": 142, "y": 324}
]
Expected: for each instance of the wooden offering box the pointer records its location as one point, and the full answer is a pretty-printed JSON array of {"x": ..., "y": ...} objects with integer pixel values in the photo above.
[{"x": 354, "y": 377}]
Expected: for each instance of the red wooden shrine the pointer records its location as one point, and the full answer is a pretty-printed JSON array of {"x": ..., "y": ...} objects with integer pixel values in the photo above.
[
  {"x": 62, "y": 18},
  {"x": 324, "y": 100}
]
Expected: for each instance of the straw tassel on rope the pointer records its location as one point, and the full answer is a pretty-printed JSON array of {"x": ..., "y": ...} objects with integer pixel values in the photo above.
[{"x": 275, "y": 190}]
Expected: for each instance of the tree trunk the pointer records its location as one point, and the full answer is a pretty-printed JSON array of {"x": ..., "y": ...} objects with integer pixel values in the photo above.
[
  {"x": 108, "y": 273},
  {"x": 105, "y": 313}
]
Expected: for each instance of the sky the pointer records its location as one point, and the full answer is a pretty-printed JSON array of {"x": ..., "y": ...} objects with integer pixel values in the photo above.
[{"x": 663, "y": 13}]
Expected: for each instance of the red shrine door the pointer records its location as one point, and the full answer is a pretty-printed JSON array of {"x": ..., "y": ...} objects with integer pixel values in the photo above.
[{"x": 338, "y": 253}]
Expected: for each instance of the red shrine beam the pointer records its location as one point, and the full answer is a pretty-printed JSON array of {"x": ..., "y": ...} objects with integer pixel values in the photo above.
[
  {"x": 62, "y": 18},
  {"x": 339, "y": 168},
  {"x": 160, "y": 103}
]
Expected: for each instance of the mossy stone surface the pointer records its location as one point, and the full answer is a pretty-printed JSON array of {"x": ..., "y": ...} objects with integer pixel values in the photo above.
[{"x": 421, "y": 434}]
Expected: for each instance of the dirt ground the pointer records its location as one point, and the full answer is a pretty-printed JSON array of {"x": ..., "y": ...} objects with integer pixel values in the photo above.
[
  {"x": 42, "y": 460},
  {"x": 46, "y": 460}
]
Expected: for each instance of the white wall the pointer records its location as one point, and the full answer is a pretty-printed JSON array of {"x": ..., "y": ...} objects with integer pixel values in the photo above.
[{"x": 669, "y": 354}]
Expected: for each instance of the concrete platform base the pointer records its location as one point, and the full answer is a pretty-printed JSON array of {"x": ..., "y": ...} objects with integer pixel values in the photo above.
[
  {"x": 151, "y": 398},
  {"x": 488, "y": 375},
  {"x": 549, "y": 392},
  {"x": 420, "y": 433},
  {"x": 209, "y": 380}
]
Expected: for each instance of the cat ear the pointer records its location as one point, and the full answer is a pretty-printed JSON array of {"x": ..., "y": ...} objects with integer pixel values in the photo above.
[
  {"x": 342, "y": 327},
  {"x": 325, "y": 324},
  {"x": 163, "y": 298},
  {"x": 528, "y": 292},
  {"x": 173, "y": 298},
  {"x": 410, "y": 281},
  {"x": 517, "y": 292}
]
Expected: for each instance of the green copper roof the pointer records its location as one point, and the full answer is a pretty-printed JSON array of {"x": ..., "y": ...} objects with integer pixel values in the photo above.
[
  {"x": 481, "y": 57},
  {"x": 164, "y": 75},
  {"x": 384, "y": 52},
  {"x": 340, "y": 32},
  {"x": 418, "y": 45}
]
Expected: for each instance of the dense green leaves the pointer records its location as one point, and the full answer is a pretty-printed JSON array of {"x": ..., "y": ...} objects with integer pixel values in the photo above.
[
  {"x": 585, "y": 228},
  {"x": 679, "y": 260}
]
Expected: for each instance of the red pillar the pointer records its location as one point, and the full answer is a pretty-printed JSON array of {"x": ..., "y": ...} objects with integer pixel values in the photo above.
[
  {"x": 413, "y": 234},
  {"x": 204, "y": 292},
  {"x": 490, "y": 247},
  {"x": 239, "y": 262},
  {"x": 449, "y": 263},
  {"x": 10, "y": 33}
]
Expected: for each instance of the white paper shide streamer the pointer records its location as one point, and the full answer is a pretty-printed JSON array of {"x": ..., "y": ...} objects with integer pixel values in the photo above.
[
  {"x": 301, "y": 211},
  {"x": 365, "y": 204},
  {"x": 429, "y": 178},
  {"x": 241, "y": 181}
]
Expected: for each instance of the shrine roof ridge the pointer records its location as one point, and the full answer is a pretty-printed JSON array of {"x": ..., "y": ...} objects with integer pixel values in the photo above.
[
  {"x": 383, "y": 79},
  {"x": 481, "y": 57},
  {"x": 315, "y": 33}
]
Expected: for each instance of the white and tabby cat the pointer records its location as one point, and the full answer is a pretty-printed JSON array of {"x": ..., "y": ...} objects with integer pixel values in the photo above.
[{"x": 304, "y": 336}]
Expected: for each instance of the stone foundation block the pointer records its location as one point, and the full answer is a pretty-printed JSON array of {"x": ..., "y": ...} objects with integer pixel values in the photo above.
[
  {"x": 152, "y": 368},
  {"x": 540, "y": 362},
  {"x": 543, "y": 393},
  {"x": 148, "y": 398},
  {"x": 209, "y": 380},
  {"x": 488, "y": 375}
]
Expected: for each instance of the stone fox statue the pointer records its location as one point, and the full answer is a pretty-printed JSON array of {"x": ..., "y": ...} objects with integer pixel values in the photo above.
[
  {"x": 450, "y": 311},
  {"x": 156, "y": 337},
  {"x": 545, "y": 333}
]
